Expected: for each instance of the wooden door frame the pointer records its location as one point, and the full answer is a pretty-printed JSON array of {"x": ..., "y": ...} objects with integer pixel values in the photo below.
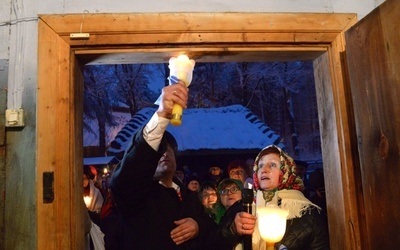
[{"x": 124, "y": 38}]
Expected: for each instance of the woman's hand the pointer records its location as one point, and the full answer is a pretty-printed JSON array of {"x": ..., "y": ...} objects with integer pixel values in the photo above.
[{"x": 244, "y": 223}]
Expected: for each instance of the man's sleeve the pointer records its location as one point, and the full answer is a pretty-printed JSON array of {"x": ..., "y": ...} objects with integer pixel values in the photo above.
[
  {"x": 133, "y": 177},
  {"x": 154, "y": 131}
]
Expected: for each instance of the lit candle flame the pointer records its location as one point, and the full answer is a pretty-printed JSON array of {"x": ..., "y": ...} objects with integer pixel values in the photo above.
[
  {"x": 182, "y": 68},
  {"x": 87, "y": 200}
]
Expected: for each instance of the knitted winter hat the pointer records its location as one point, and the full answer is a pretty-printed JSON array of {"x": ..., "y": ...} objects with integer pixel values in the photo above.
[{"x": 193, "y": 177}]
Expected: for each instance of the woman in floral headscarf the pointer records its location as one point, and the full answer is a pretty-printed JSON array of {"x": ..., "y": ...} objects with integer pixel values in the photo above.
[{"x": 275, "y": 180}]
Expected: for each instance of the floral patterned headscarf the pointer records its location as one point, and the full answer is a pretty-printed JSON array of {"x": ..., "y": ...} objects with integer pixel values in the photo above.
[{"x": 288, "y": 179}]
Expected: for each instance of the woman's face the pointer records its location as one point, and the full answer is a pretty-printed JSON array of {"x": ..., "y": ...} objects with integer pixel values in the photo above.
[
  {"x": 229, "y": 195},
  {"x": 238, "y": 174},
  {"x": 194, "y": 185},
  {"x": 209, "y": 197},
  {"x": 85, "y": 181},
  {"x": 215, "y": 171},
  {"x": 268, "y": 171}
]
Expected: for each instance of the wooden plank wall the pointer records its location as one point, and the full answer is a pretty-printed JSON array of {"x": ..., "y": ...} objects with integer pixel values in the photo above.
[{"x": 373, "y": 52}]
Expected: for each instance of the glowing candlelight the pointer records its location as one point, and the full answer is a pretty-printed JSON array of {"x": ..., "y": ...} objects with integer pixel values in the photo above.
[
  {"x": 87, "y": 200},
  {"x": 182, "y": 68},
  {"x": 271, "y": 221}
]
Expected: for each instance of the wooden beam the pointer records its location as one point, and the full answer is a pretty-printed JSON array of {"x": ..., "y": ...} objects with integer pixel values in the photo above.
[
  {"x": 186, "y": 23},
  {"x": 55, "y": 145}
]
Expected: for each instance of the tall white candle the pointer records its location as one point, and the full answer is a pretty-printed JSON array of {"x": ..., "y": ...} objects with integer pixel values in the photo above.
[{"x": 182, "y": 68}]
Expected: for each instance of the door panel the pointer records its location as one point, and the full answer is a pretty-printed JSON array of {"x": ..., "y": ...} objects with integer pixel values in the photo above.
[{"x": 373, "y": 56}]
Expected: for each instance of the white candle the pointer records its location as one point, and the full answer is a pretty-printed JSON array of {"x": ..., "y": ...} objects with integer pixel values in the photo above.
[
  {"x": 87, "y": 200},
  {"x": 272, "y": 222},
  {"x": 182, "y": 67}
]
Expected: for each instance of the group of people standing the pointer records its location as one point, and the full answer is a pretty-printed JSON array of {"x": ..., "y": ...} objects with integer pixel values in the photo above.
[
  {"x": 237, "y": 169},
  {"x": 104, "y": 227},
  {"x": 157, "y": 211}
]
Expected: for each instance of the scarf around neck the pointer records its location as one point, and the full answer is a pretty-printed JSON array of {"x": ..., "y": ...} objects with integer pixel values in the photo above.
[{"x": 292, "y": 200}]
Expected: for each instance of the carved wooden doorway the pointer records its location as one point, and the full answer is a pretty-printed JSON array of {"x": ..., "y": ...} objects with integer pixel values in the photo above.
[{"x": 211, "y": 37}]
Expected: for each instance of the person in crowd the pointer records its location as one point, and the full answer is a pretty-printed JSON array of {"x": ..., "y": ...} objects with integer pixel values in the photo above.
[
  {"x": 237, "y": 169},
  {"x": 193, "y": 183},
  {"x": 228, "y": 207},
  {"x": 215, "y": 175},
  {"x": 110, "y": 220},
  {"x": 301, "y": 171},
  {"x": 157, "y": 211},
  {"x": 91, "y": 195},
  {"x": 87, "y": 225},
  {"x": 180, "y": 174},
  {"x": 100, "y": 179},
  {"x": 276, "y": 180},
  {"x": 317, "y": 189},
  {"x": 208, "y": 194},
  {"x": 208, "y": 197},
  {"x": 250, "y": 164},
  {"x": 275, "y": 176}
]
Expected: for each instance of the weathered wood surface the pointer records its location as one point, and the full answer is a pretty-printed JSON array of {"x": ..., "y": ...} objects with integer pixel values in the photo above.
[
  {"x": 195, "y": 22},
  {"x": 201, "y": 34},
  {"x": 373, "y": 52},
  {"x": 60, "y": 223}
]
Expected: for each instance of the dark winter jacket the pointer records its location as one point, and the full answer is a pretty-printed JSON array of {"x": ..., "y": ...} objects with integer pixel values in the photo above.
[
  {"x": 148, "y": 209},
  {"x": 225, "y": 238},
  {"x": 308, "y": 232}
]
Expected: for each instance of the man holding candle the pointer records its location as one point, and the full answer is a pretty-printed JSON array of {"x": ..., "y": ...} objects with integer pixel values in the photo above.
[{"x": 157, "y": 212}]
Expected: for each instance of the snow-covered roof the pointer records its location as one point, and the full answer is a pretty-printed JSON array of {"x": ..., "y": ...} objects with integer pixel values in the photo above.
[
  {"x": 103, "y": 160},
  {"x": 231, "y": 127}
]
